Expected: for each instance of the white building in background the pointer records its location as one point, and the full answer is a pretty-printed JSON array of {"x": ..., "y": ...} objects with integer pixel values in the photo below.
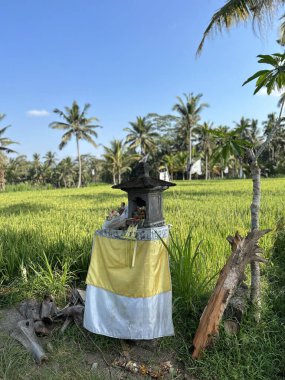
[
  {"x": 164, "y": 174},
  {"x": 196, "y": 167}
]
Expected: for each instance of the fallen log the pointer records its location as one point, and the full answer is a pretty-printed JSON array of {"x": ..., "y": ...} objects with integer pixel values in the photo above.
[
  {"x": 25, "y": 334},
  {"x": 244, "y": 251},
  {"x": 30, "y": 309},
  {"x": 48, "y": 309}
]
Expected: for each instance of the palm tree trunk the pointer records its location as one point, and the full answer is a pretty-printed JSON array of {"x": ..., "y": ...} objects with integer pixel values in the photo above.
[
  {"x": 2, "y": 174},
  {"x": 190, "y": 152},
  {"x": 79, "y": 163},
  {"x": 254, "y": 265},
  {"x": 114, "y": 176},
  {"x": 255, "y": 207},
  {"x": 119, "y": 176},
  {"x": 206, "y": 164}
]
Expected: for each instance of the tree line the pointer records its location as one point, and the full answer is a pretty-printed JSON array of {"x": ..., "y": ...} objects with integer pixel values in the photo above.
[{"x": 174, "y": 141}]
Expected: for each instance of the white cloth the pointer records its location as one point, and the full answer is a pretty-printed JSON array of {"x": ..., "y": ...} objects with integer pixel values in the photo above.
[{"x": 110, "y": 314}]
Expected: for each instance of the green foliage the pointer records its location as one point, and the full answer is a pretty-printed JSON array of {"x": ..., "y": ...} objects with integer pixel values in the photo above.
[
  {"x": 192, "y": 272},
  {"x": 49, "y": 233},
  {"x": 234, "y": 12},
  {"x": 76, "y": 124},
  {"x": 277, "y": 271},
  {"x": 229, "y": 143},
  {"x": 49, "y": 276},
  {"x": 5, "y": 141},
  {"x": 273, "y": 79},
  {"x": 61, "y": 222},
  {"x": 256, "y": 353},
  {"x": 142, "y": 135},
  {"x": 118, "y": 159}
]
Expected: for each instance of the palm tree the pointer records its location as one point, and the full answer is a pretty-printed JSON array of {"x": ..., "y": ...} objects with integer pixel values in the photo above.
[
  {"x": 181, "y": 162},
  {"x": 118, "y": 159},
  {"x": 237, "y": 11},
  {"x": 273, "y": 157},
  {"x": 50, "y": 159},
  {"x": 229, "y": 146},
  {"x": 205, "y": 143},
  {"x": 5, "y": 142},
  {"x": 189, "y": 116},
  {"x": 76, "y": 124},
  {"x": 142, "y": 135},
  {"x": 169, "y": 160},
  {"x": 66, "y": 172},
  {"x": 36, "y": 169},
  {"x": 49, "y": 166},
  {"x": 17, "y": 169}
]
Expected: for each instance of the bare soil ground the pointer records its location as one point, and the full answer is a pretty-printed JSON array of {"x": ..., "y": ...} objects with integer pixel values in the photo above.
[{"x": 72, "y": 356}]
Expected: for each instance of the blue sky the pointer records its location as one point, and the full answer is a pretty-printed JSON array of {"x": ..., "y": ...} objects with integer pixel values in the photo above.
[{"x": 125, "y": 57}]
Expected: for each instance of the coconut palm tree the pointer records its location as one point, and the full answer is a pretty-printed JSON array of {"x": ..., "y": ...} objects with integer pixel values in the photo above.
[
  {"x": 5, "y": 142},
  {"x": 189, "y": 116},
  {"x": 17, "y": 169},
  {"x": 142, "y": 135},
  {"x": 181, "y": 159},
  {"x": 229, "y": 145},
  {"x": 205, "y": 143},
  {"x": 66, "y": 172},
  {"x": 50, "y": 159},
  {"x": 36, "y": 172},
  {"x": 49, "y": 166},
  {"x": 118, "y": 159},
  {"x": 76, "y": 125},
  {"x": 237, "y": 11},
  {"x": 273, "y": 146},
  {"x": 169, "y": 161}
]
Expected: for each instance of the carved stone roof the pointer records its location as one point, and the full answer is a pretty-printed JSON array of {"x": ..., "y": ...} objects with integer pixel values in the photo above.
[{"x": 142, "y": 180}]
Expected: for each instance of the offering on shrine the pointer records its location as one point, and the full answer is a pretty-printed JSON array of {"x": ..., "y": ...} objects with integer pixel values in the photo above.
[{"x": 116, "y": 218}]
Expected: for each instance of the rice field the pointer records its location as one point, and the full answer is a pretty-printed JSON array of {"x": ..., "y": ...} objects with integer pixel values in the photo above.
[{"x": 60, "y": 223}]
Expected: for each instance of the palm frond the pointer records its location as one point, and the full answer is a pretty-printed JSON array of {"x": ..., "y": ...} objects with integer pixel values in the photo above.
[
  {"x": 59, "y": 125},
  {"x": 85, "y": 136},
  {"x": 236, "y": 11},
  {"x": 65, "y": 139},
  {"x": 3, "y": 130}
]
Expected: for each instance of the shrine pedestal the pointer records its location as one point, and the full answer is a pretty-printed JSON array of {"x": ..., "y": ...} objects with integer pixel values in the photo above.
[{"x": 127, "y": 296}]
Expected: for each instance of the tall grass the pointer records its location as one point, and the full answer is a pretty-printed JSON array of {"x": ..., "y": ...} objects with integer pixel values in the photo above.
[
  {"x": 61, "y": 222},
  {"x": 192, "y": 272}
]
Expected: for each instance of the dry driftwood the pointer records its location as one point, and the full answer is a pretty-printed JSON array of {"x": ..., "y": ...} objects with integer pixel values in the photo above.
[
  {"x": 236, "y": 308},
  {"x": 25, "y": 334},
  {"x": 78, "y": 296},
  {"x": 30, "y": 309},
  {"x": 48, "y": 309},
  {"x": 244, "y": 251},
  {"x": 37, "y": 318}
]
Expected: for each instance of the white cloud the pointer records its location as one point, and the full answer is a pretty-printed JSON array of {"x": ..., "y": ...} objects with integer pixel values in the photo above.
[
  {"x": 274, "y": 93},
  {"x": 37, "y": 113}
]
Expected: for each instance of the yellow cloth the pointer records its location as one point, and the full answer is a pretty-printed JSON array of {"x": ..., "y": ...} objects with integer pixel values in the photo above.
[{"x": 111, "y": 267}]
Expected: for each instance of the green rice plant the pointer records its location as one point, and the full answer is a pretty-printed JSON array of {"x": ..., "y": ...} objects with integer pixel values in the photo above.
[
  {"x": 190, "y": 271},
  {"x": 276, "y": 272},
  {"x": 46, "y": 278}
]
